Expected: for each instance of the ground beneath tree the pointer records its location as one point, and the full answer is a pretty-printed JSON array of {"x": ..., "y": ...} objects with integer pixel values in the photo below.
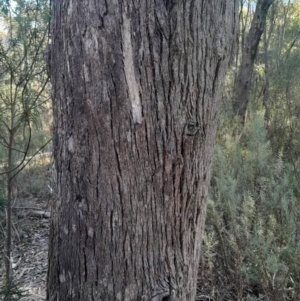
[{"x": 30, "y": 249}]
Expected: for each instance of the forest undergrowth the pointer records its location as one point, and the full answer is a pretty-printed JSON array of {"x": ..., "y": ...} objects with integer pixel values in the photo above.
[
  {"x": 252, "y": 238},
  {"x": 30, "y": 230}
]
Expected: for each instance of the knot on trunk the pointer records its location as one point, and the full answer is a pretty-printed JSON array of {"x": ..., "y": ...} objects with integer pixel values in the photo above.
[{"x": 191, "y": 128}]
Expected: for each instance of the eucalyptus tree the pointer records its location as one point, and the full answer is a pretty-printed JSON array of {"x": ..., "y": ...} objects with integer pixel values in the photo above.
[
  {"x": 136, "y": 88},
  {"x": 243, "y": 81}
]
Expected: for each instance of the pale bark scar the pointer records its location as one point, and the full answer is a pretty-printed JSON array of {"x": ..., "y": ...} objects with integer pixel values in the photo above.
[{"x": 133, "y": 87}]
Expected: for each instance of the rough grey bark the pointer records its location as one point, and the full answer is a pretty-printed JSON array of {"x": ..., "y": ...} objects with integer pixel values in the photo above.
[
  {"x": 136, "y": 87},
  {"x": 249, "y": 52}
]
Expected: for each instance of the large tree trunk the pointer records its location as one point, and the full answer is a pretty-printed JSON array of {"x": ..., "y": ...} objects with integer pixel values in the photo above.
[
  {"x": 136, "y": 87},
  {"x": 243, "y": 80}
]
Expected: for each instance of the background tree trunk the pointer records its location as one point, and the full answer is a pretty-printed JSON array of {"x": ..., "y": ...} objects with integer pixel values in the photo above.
[
  {"x": 266, "y": 39},
  {"x": 136, "y": 87},
  {"x": 249, "y": 52}
]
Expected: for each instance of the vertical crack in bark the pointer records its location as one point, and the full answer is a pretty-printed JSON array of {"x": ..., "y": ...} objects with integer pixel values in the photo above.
[
  {"x": 85, "y": 266},
  {"x": 204, "y": 90},
  {"x": 215, "y": 80},
  {"x": 113, "y": 250}
]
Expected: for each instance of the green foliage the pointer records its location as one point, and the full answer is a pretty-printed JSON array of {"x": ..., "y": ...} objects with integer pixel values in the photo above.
[
  {"x": 252, "y": 240},
  {"x": 252, "y": 231},
  {"x": 24, "y": 95},
  {"x": 24, "y": 89},
  {"x": 280, "y": 65}
]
